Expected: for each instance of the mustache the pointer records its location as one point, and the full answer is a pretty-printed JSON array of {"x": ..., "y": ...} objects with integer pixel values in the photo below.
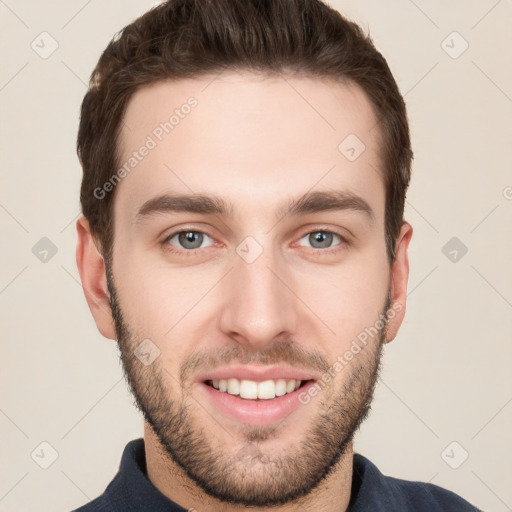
[{"x": 282, "y": 351}]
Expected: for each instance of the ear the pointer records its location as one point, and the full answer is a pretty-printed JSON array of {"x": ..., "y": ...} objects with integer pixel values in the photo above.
[
  {"x": 398, "y": 285},
  {"x": 91, "y": 267}
]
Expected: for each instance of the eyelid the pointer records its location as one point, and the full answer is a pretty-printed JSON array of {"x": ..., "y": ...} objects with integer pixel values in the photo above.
[{"x": 170, "y": 232}]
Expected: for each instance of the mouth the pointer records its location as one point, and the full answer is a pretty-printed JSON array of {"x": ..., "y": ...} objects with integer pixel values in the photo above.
[{"x": 259, "y": 402}]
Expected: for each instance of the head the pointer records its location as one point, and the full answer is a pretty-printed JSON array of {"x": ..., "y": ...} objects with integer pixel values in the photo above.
[{"x": 245, "y": 166}]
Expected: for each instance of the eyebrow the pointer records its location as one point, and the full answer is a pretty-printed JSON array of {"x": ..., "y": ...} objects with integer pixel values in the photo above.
[{"x": 206, "y": 204}]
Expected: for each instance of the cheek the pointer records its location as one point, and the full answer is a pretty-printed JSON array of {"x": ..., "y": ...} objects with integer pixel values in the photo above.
[
  {"x": 158, "y": 300},
  {"x": 164, "y": 304},
  {"x": 348, "y": 298}
]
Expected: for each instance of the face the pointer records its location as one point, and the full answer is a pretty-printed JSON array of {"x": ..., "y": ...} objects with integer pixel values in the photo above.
[{"x": 248, "y": 260}]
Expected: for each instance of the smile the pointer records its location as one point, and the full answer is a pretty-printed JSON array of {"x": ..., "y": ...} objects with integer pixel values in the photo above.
[
  {"x": 253, "y": 403},
  {"x": 252, "y": 390}
]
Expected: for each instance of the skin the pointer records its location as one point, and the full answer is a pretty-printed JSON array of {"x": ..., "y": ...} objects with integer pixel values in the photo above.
[{"x": 256, "y": 142}]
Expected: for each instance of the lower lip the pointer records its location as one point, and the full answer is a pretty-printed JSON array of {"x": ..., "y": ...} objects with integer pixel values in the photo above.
[{"x": 255, "y": 412}]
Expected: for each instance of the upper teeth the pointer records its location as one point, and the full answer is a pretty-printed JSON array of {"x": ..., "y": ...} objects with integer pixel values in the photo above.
[{"x": 266, "y": 390}]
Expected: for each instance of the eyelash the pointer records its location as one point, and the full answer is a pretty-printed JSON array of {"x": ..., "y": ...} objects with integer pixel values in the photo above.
[{"x": 193, "y": 252}]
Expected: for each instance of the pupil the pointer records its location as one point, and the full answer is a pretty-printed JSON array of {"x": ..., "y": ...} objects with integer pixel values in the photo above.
[
  {"x": 322, "y": 238},
  {"x": 190, "y": 237}
]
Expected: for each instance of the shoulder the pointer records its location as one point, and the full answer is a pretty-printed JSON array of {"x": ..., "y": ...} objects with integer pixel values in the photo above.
[
  {"x": 97, "y": 505},
  {"x": 421, "y": 496},
  {"x": 117, "y": 494},
  {"x": 388, "y": 493}
]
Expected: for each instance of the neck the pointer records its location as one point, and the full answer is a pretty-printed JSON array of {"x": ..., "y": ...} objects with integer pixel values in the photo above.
[{"x": 331, "y": 495}]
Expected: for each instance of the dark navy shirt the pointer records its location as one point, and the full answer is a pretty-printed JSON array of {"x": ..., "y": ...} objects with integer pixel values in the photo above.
[{"x": 132, "y": 491}]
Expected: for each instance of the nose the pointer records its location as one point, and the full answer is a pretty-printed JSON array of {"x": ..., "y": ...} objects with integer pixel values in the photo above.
[{"x": 259, "y": 303}]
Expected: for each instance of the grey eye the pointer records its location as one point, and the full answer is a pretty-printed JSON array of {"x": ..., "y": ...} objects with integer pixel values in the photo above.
[
  {"x": 189, "y": 239},
  {"x": 321, "y": 239}
]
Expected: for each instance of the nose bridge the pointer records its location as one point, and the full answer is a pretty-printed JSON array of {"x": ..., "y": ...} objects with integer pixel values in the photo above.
[{"x": 259, "y": 305}]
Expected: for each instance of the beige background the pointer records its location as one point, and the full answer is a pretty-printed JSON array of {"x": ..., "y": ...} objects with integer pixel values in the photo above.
[{"x": 447, "y": 376}]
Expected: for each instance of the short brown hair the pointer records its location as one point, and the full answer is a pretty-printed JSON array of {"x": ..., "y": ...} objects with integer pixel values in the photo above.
[{"x": 193, "y": 38}]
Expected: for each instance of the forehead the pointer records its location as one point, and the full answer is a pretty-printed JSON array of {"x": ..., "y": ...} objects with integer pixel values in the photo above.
[{"x": 250, "y": 138}]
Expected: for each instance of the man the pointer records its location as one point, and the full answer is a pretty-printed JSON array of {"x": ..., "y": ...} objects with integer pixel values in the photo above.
[{"x": 245, "y": 169}]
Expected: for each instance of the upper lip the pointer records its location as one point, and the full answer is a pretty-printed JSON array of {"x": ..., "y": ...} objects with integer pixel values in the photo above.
[{"x": 256, "y": 373}]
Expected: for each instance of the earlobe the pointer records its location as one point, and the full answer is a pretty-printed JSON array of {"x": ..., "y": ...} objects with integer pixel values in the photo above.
[
  {"x": 91, "y": 267},
  {"x": 398, "y": 285}
]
